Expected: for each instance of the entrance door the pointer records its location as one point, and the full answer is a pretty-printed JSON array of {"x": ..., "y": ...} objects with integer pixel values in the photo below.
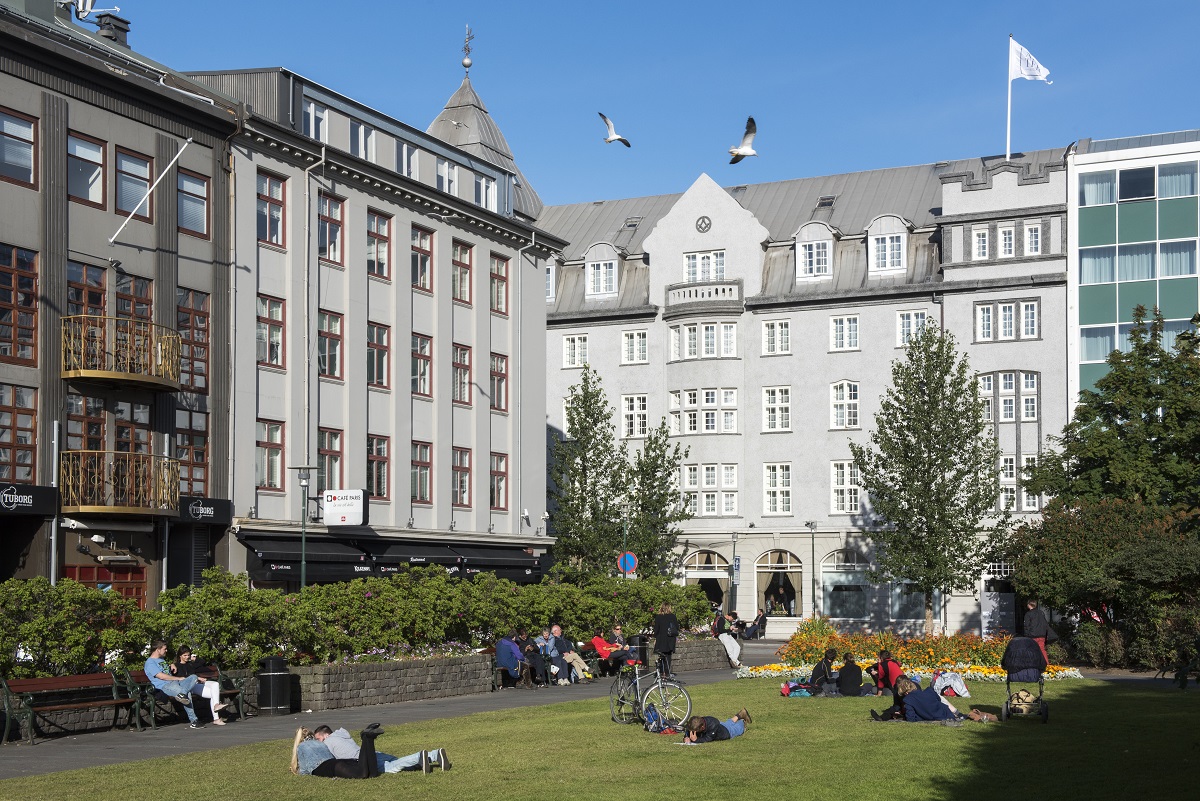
[{"x": 998, "y": 607}]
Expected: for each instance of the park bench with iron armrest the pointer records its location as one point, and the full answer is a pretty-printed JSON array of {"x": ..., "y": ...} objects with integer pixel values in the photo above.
[
  {"x": 139, "y": 687},
  {"x": 25, "y": 700}
]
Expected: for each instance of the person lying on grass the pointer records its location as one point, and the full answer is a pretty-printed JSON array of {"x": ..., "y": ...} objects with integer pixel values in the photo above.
[
  {"x": 342, "y": 746},
  {"x": 311, "y": 757},
  {"x": 708, "y": 729},
  {"x": 926, "y": 704}
]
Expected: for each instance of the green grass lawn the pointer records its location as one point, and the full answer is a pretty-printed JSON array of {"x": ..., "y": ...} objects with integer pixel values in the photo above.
[{"x": 1104, "y": 740}]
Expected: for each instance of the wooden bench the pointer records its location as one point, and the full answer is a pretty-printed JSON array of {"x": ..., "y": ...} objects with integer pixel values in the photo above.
[
  {"x": 27, "y": 699},
  {"x": 139, "y": 687}
]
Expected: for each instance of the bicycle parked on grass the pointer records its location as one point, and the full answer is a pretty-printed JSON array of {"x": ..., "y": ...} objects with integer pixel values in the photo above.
[{"x": 633, "y": 691}]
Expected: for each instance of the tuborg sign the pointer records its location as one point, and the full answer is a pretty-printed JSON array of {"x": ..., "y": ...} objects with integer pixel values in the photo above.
[
  {"x": 345, "y": 507},
  {"x": 212, "y": 511},
  {"x": 28, "y": 499}
]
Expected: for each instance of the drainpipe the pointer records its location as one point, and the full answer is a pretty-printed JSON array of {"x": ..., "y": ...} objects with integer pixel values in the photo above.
[
  {"x": 307, "y": 300},
  {"x": 54, "y": 522},
  {"x": 514, "y": 371}
]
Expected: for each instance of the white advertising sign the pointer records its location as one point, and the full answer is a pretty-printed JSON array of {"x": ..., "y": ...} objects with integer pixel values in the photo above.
[{"x": 345, "y": 507}]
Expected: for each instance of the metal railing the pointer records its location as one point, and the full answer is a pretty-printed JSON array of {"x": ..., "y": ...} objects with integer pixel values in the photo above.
[
  {"x": 120, "y": 349},
  {"x": 115, "y": 482}
]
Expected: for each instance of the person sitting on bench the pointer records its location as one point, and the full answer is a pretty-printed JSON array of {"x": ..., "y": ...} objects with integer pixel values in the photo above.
[
  {"x": 160, "y": 676},
  {"x": 610, "y": 653},
  {"x": 186, "y": 664}
]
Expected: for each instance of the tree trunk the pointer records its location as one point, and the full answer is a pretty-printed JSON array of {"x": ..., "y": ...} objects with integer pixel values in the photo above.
[{"x": 928, "y": 614}]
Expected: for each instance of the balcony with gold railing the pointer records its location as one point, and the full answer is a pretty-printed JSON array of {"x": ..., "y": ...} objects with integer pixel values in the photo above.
[
  {"x": 112, "y": 482},
  {"x": 120, "y": 349}
]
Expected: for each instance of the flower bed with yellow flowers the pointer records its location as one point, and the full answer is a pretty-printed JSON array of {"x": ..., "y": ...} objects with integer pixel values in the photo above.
[{"x": 967, "y": 671}]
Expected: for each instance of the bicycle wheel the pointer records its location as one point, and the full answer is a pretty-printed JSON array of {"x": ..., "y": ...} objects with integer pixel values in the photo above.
[
  {"x": 622, "y": 700},
  {"x": 671, "y": 701}
]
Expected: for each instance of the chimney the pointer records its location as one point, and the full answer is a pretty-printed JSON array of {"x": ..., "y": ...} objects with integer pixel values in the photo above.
[{"x": 114, "y": 28}]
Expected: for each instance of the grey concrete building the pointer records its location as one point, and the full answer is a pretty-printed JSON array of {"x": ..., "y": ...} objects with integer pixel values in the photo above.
[
  {"x": 113, "y": 329},
  {"x": 762, "y": 320},
  {"x": 364, "y": 246}
]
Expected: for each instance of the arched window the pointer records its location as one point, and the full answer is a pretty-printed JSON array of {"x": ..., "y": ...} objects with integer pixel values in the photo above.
[
  {"x": 709, "y": 570},
  {"x": 780, "y": 583},
  {"x": 844, "y": 586}
]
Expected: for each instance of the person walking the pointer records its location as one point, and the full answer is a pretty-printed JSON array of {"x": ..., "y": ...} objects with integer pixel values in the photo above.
[{"x": 1036, "y": 627}]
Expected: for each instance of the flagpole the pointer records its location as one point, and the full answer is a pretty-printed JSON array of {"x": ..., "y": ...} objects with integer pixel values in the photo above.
[{"x": 1008, "y": 126}]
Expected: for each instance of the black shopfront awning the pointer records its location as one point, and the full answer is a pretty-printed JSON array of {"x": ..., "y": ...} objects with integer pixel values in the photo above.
[
  {"x": 391, "y": 556},
  {"x": 513, "y": 564},
  {"x": 325, "y": 559}
]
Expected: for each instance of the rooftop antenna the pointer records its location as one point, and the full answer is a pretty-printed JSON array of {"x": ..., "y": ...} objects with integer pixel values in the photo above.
[
  {"x": 466, "y": 48},
  {"x": 85, "y": 8}
]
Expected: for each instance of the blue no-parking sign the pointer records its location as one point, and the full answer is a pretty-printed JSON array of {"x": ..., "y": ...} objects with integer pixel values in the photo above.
[{"x": 627, "y": 562}]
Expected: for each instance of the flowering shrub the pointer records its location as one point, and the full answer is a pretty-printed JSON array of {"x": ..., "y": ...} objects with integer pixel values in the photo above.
[{"x": 968, "y": 672}]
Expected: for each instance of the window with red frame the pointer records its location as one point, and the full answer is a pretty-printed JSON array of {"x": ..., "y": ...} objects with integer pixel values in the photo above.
[
  {"x": 270, "y": 332},
  {"x": 422, "y": 259},
  {"x": 329, "y": 228},
  {"x": 134, "y": 174},
  {"x": 499, "y": 386},
  {"x": 268, "y": 455},
  {"x": 18, "y": 434},
  {"x": 329, "y": 459},
  {"x": 191, "y": 449},
  {"x": 193, "y": 204},
  {"x": 461, "y": 365},
  {"x": 86, "y": 167},
  {"x": 498, "y": 487},
  {"x": 422, "y": 472},
  {"x": 379, "y": 244},
  {"x": 329, "y": 344},
  {"x": 18, "y": 146},
  {"x": 422, "y": 365},
  {"x": 192, "y": 321},
  {"x": 461, "y": 477},
  {"x": 377, "y": 354},
  {"x": 499, "y": 284},
  {"x": 272, "y": 210},
  {"x": 377, "y": 466},
  {"x": 460, "y": 276},
  {"x": 18, "y": 305}
]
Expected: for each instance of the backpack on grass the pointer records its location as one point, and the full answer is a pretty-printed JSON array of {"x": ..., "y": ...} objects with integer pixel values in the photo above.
[{"x": 655, "y": 722}]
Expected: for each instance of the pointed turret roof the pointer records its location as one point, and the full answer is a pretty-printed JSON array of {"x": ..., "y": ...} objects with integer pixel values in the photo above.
[{"x": 466, "y": 124}]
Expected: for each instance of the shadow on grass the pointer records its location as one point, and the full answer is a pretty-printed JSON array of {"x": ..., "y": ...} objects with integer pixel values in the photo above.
[{"x": 1114, "y": 740}]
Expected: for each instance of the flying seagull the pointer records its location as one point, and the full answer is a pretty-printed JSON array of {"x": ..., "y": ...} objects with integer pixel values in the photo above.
[
  {"x": 746, "y": 148},
  {"x": 613, "y": 136}
]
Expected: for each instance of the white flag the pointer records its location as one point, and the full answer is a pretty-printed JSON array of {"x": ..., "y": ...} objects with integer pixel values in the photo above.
[{"x": 1022, "y": 64}]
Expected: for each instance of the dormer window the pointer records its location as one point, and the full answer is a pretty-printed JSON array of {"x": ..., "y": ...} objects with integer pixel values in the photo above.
[
  {"x": 889, "y": 253},
  {"x": 887, "y": 243},
  {"x": 602, "y": 278},
  {"x": 315, "y": 121},
  {"x": 447, "y": 176},
  {"x": 701, "y": 267},
  {"x": 362, "y": 140},
  {"x": 485, "y": 192},
  {"x": 814, "y": 259}
]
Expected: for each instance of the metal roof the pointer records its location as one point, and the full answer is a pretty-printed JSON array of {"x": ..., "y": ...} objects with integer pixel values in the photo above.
[
  {"x": 1133, "y": 142},
  {"x": 466, "y": 124}
]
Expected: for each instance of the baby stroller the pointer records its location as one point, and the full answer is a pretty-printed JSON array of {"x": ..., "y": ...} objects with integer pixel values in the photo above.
[{"x": 1024, "y": 663}]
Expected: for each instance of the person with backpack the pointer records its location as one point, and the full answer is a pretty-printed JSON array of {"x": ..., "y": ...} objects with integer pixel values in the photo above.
[
  {"x": 701, "y": 729},
  {"x": 822, "y": 680},
  {"x": 666, "y": 633}
]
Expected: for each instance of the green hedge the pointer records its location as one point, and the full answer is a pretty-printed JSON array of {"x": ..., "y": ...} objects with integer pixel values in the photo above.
[{"x": 70, "y": 628}]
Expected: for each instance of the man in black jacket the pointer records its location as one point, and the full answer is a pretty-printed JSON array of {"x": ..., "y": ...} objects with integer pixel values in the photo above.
[
  {"x": 709, "y": 729},
  {"x": 1035, "y": 626},
  {"x": 823, "y": 673},
  {"x": 850, "y": 678}
]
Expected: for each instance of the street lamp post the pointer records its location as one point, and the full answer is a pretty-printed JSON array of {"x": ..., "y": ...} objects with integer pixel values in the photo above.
[
  {"x": 302, "y": 473},
  {"x": 734, "y": 577},
  {"x": 624, "y": 538},
  {"x": 811, "y": 525}
]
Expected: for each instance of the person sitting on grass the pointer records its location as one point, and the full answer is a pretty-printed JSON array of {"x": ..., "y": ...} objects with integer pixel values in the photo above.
[
  {"x": 822, "y": 675},
  {"x": 926, "y": 704},
  {"x": 850, "y": 678},
  {"x": 708, "y": 729},
  {"x": 611, "y": 654},
  {"x": 311, "y": 757},
  {"x": 342, "y": 746}
]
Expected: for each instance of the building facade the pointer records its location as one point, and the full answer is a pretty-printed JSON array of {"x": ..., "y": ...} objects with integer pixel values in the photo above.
[
  {"x": 113, "y": 467},
  {"x": 392, "y": 279},
  {"x": 761, "y": 322}
]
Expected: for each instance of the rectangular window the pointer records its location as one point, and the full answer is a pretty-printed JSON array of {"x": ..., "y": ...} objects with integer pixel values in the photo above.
[
  {"x": 461, "y": 366},
  {"x": 710, "y": 339},
  {"x": 378, "y": 468},
  {"x": 460, "y": 275},
  {"x": 729, "y": 476},
  {"x": 329, "y": 344},
  {"x": 634, "y": 416},
  {"x": 980, "y": 250},
  {"x": 1008, "y": 497},
  {"x": 85, "y": 170},
  {"x": 729, "y": 421},
  {"x": 986, "y": 383},
  {"x": 691, "y": 476},
  {"x": 135, "y": 298},
  {"x": 447, "y": 177},
  {"x": 1136, "y": 184},
  {"x": 18, "y": 144},
  {"x": 710, "y": 503},
  {"x": 191, "y": 313},
  {"x": 1031, "y": 501},
  {"x": 18, "y": 434},
  {"x": 85, "y": 289},
  {"x": 422, "y": 365},
  {"x": 843, "y": 333},
  {"x": 728, "y": 340},
  {"x": 1177, "y": 180},
  {"x": 460, "y": 480},
  {"x": 268, "y": 461},
  {"x": 315, "y": 121},
  {"x": 1029, "y": 382},
  {"x": 406, "y": 160},
  {"x": 379, "y": 244},
  {"x": 908, "y": 325},
  {"x": 1008, "y": 468},
  {"x": 549, "y": 282},
  {"x": 1098, "y": 188},
  {"x": 329, "y": 459},
  {"x": 378, "y": 354},
  {"x": 269, "y": 335},
  {"x": 987, "y": 410},
  {"x": 634, "y": 347},
  {"x": 1008, "y": 324},
  {"x": 1033, "y": 240},
  {"x": 422, "y": 472},
  {"x": 693, "y": 341},
  {"x": 1007, "y": 242},
  {"x": 329, "y": 228},
  {"x": 18, "y": 305},
  {"x": 889, "y": 253},
  {"x": 272, "y": 210},
  {"x": 1029, "y": 407},
  {"x": 984, "y": 329},
  {"x": 777, "y": 337},
  {"x": 498, "y": 485},
  {"x": 499, "y": 382},
  {"x": 777, "y": 489},
  {"x": 1007, "y": 409},
  {"x": 729, "y": 504},
  {"x": 777, "y": 408},
  {"x": 1029, "y": 320},
  {"x": 362, "y": 140},
  {"x": 191, "y": 449},
  {"x": 602, "y": 278},
  {"x": 1008, "y": 382},
  {"x": 844, "y": 411},
  {"x": 134, "y": 174},
  {"x": 422, "y": 259},
  {"x": 85, "y": 423},
  {"x": 814, "y": 259},
  {"x": 708, "y": 266},
  {"x": 845, "y": 483},
  {"x": 485, "y": 192},
  {"x": 499, "y": 284},
  {"x": 575, "y": 350},
  {"x": 193, "y": 203},
  {"x": 710, "y": 475}
]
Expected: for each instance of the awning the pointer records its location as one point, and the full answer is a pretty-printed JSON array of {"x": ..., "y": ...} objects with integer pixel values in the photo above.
[
  {"x": 390, "y": 552},
  {"x": 270, "y": 570},
  {"x": 316, "y": 549},
  {"x": 493, "y": 557}
]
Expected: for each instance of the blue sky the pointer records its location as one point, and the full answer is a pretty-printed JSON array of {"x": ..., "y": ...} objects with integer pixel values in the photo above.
[{"x": 834, "y": 87}]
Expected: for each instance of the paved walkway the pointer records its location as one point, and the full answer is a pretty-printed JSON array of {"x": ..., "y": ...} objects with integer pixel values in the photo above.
[{"x": 120, "y": 745}]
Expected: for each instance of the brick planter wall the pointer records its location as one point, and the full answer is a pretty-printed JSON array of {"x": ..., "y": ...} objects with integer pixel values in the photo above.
[{"x": 706, "y": 654}]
